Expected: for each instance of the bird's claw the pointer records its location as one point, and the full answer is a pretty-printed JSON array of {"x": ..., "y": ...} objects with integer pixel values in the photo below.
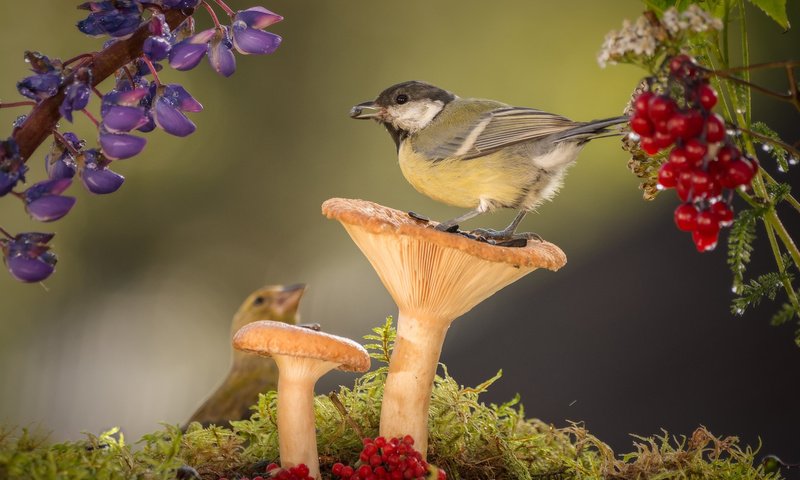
[
  {"x": 505, "y": 238},
  {"x": 449, "y": 228}
]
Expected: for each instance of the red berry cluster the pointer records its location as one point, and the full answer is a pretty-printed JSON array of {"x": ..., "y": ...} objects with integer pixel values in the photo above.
[
  {"x": 274, "y": 471},
  {"x": 386, "y": 459},
  {"x": 703, "y": 161}
]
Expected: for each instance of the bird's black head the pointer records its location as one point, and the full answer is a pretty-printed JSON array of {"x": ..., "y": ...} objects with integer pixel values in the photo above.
[{"x": 404, "y": 108}]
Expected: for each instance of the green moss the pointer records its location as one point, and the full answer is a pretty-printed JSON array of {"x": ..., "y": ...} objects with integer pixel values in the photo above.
[{"x": 468, "y": 440}]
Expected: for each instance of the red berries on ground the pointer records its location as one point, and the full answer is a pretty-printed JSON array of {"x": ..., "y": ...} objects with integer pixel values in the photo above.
[
  {"x": 703, "y": 161},
  {"x": 387, "y": 459}
]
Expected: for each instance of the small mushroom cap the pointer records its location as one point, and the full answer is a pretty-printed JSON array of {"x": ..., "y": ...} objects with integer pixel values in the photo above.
[
  {"x": 378, "y": 219},
  {"x": 266, "y": 337}
]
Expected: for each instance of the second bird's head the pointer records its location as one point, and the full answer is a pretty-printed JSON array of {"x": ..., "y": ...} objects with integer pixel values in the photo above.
[
  {"x": 404, "y": 108},
  {"x": 275, "y": 302}
]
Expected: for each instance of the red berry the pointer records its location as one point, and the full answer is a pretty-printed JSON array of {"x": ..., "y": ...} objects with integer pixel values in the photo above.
[
  {"x": 678, "y": 158},
  {"x": 683, "y": 186},
  {"x": 707, "y": 223},
  {"x": 300, "y": 470},
  {"x": 272, "y": 466},
  {"x": 728, "y": 153},
  {"x": 337, "y": 468},
  {"x": 707, "y": 96},
  {"x": 703, "y": 184},
  {"x": 663, "y": 140},
  {"x": 704, "y": 242},
  {"x": 695, "y": 151},
  {"x": 667, "y": 175},
  {"x": 364, "y": 471},
  {"x": 723, "y": 213},
  {"x": 738, "y": 172},
  {"x": 442, "y": 475},
  {"x": 686, "y": 217},
  {"x": 380, "y": 442},
  {"x": 408, "y": 440},
  {"x": 685, "y": 125},
  {"x": 347, "y": 471},
  {"x": 715, "y": 128},
  {"x": 648, "y": 144},
  {"x": 641, "y": 125},
  {"x": 682, "y": 66},
  {"x": 641, "y": 103},
  {"x": 661, "y": 108}
]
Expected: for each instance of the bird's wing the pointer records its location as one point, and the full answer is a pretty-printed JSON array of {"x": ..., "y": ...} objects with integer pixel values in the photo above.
[{"x": 500, "y": 128}]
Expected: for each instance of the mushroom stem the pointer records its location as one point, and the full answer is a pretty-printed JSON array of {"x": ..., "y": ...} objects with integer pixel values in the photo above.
[
  {"x": 297, "y": 433},
  {"x": 407, "y": 393}
]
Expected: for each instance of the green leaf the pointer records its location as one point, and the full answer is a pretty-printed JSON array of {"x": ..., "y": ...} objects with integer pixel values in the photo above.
[{"x": 775, "y": 9}]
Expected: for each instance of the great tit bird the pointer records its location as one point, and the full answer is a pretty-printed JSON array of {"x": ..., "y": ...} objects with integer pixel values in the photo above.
[
  {"x": 250, "y": 374},
  {"x": 479, "y": 154}
]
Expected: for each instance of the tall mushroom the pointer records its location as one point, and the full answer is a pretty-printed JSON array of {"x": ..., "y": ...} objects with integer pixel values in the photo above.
[
  {"x": 303, "y": 356},
  {"x": 434, "y": 277}
]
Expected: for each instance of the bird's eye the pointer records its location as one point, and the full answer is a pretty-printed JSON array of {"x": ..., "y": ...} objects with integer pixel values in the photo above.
[
  {"x": 401, "y": 99},
  {"x": 258, "y": 301}
]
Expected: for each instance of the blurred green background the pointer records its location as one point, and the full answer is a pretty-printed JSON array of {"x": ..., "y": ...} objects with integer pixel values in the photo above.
[{"x": 133, "y": 327}]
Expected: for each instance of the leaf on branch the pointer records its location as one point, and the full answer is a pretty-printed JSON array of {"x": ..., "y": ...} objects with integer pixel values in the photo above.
[
  {"x": 778, "y": 192},
  {"x": 774, "y": 148},
  {"x": 775, "y": 9},
  {"x": 786, "y": 313},
  {"x": 740, "y": 245},
  {"x": 766, "y": 285}
]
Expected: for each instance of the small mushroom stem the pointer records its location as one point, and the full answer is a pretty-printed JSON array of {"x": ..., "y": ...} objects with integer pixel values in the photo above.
[
  {"x": 297, "y": 433},
  {"x": 407, "y": 393}
]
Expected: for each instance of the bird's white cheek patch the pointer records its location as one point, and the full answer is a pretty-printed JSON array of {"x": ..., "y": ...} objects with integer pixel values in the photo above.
[{"x": 414, "y": 116}]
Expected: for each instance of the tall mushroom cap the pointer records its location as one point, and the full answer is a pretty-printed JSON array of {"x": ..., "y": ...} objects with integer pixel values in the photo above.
[
  {"x": 430, "y": 262},
  {"x": 269, "y": 338},
  {"x": 434, "y": 277}
]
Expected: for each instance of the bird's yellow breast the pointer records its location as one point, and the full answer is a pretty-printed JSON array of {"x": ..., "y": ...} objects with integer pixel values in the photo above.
[{"x": 488, "y": 182}]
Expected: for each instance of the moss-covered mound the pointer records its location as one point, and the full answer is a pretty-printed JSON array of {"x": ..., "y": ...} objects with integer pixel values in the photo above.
[{"x": 468, "y": 440}]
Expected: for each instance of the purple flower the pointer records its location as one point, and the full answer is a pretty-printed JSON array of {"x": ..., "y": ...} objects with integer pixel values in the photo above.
[
  {"x": 95, "y": 175},
  {"x": 118, "y": 18},
  {"x": 122, "y": 110},
  {"x": 40, "y": 86},
  {"x": 156, "y": 48},
  {"x": 180, "y": 4},
  {"x": 220, "y": 55},
  {"x": 168, "y": 106},
  {"x": 76, "y": 97},
  {"x": 59, "y": 162},
  {"x": 186, "y": 54},
  {"x": 248, "y": 34},
  {"x": 28, "y": 257},
  {"x": 12, "y": 168},
  {"x": 119, "y": 146},
  {"x": 44, "y": 202}
]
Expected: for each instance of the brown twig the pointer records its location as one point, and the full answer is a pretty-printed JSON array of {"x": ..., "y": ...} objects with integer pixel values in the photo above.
[
  {"x": 43, "y": 118},
  {"x": 794, "y": 151},
  {"x": 28, "y": 103},
  {"x": 343, "y": 411},
  {"x": 792, "y": 97}
]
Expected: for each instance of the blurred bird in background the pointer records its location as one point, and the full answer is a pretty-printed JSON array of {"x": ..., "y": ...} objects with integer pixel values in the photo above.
[
  {"x": 480, "y": 154},
  {"x": 250, "y": 374}
]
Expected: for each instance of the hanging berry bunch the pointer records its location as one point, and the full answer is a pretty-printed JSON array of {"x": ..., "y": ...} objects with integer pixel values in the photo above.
[
  {"x": 703, "y": 163},
  {"x": 388, "y": 459},
  {"x": 143, "y": 34},
  {"x": 274, "y": 471},
  {"x": 680, "y": 141}
]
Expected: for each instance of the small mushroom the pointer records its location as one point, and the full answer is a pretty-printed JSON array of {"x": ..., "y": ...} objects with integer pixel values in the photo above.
[
  {"x": 434, "y": 277},
  {"x": 303, "y": 355}
]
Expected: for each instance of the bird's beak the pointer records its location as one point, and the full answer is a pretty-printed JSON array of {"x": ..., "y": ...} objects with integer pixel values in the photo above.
[{"x": 365, "y": 111}]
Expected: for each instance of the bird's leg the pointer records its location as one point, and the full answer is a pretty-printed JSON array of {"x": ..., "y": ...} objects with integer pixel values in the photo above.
[
  {"x": 452, "y": 225},
  {"x": 507, "y": 233}
]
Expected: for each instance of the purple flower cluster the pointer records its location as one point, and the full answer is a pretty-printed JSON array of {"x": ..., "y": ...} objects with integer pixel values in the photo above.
[
  {"x": 138, "y": 103},
  {"x": 245, "y": 34}
]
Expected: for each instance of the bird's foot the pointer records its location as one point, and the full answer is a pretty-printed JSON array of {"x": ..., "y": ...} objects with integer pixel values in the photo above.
[
  {"x": 505, "y": 238},
  {"x": 447, "y": 227}
]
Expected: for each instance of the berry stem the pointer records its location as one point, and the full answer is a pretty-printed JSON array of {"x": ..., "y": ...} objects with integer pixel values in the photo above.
[
  {"x": 4, "y": 232},
  {"x": 773, "y": 141},
  {"x": 152, "y": 69},
  {"x": 225, "y": 7},
  {"x": 212, "y": 13},
  {"x": 787, "y": 284},
  {"x": 18, "y": 104},
  {"x": 91, "y": 117},
  {"x": 98, "y": 92},
  {"x": 44, "y": 116}
]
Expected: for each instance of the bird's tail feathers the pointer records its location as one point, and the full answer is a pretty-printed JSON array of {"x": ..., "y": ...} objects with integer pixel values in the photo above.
[{"x": 594, "y": 129}]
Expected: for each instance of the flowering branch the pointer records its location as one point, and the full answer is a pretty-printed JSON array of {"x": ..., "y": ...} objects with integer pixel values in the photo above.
[{"x": 44, "y": 116}]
